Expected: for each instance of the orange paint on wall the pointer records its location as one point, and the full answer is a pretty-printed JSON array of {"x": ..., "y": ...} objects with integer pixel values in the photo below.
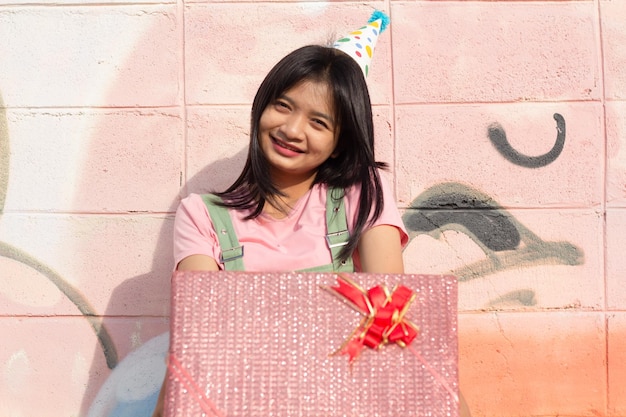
[
  {"x": 533, "y": 364},
  {"x": 617, "y": 363}
]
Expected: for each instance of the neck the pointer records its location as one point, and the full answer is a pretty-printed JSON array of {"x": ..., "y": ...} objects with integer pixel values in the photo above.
[{"x": 292, "y": 189}]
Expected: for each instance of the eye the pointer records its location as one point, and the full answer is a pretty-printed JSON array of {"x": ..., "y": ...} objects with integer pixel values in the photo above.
[
  {"x": 282, "y": 105},
  {"x": 321, "y": 123}
]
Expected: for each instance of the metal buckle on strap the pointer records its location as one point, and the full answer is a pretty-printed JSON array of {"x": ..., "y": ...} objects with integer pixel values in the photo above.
[
  {"x": 231, "y": 254},
  {"x": 337, "y": 239}
]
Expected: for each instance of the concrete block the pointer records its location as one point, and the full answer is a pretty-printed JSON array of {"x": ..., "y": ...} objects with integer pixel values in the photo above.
[
  {"x": 217, "y": 146},
  {"x": 615, "y": 261},
  {"x": 612, "y": 17},
  {"x": 494, "y": 51},
  {"x": 83, "y": 2},
  {"x": 39, "y": 379},
  {"x": 509, "y": 152},
  {"x": 616, "y": 153},
  {"x": 116, "y": 55},
  {"x": 94, "y": 160},
  {"x": 85, "y": 264},
  {"x": 229, "y": 48}
]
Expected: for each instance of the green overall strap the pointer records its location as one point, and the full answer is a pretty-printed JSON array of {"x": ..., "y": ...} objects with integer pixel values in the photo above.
[
  {"x": 337, "y": 229},
  {"x": 231, "y": 251}
]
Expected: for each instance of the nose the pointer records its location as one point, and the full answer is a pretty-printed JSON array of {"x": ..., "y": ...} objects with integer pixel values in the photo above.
[{"x": 293, "y": 126}]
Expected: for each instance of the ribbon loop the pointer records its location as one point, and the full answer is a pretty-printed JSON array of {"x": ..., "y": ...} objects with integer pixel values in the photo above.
[{"x": 384, "y": 322}]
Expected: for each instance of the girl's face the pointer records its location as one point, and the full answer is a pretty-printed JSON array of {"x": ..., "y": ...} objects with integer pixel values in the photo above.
[{"x": 297, "y": 132}]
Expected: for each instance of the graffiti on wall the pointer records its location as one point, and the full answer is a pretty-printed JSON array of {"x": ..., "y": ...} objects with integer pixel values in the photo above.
[
  {"x": 506, "y": 242},
  {"x": 15, "y": 254},
  {"x": 497, "y": 136}
]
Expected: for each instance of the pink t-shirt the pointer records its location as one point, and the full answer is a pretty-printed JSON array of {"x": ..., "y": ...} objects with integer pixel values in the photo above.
[{"x": 274, "y": 245}]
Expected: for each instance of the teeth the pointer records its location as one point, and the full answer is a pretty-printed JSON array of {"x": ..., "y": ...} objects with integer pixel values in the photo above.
[{"x": 286, "y": 146}]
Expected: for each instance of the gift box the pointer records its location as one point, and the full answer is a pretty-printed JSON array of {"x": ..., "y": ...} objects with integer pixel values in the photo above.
[{"x": 312, "y": 345}]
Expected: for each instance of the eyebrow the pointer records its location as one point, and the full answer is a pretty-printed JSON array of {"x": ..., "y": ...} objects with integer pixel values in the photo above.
[{"x": 315, "y": 113}]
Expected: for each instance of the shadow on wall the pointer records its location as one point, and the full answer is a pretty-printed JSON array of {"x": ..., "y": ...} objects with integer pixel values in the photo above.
[
  {"x": 130, "y": 388},
  {"x": 133, "y": 385},
  {"x": 106, "y": 344},
  {"x": 22, "y": 257}
]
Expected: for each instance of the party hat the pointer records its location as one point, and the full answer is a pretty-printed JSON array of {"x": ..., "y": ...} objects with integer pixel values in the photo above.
[{"x": 360, "y": 43}]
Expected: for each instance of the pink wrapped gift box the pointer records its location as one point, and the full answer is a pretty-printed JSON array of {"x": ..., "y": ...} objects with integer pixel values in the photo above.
[{"x": 270, "y": 344}]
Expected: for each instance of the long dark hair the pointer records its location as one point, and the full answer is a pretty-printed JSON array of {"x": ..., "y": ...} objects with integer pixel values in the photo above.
[{"x": 353, "y": 162}]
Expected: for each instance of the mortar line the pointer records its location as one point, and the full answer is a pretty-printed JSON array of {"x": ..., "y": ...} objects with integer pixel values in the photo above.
[{"x": 604, "y": 136}]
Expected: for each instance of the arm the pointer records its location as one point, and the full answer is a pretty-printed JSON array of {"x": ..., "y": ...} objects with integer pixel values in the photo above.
[
  {"x": 196, "y": 245},
  {"x": 197, "y": 263},
  {"x": 380, "y": 245},
  {"x": 380, "y": 250}
]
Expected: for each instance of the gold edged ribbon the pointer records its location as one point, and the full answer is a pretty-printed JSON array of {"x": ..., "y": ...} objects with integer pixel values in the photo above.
[{"x": 383, "y": 320}]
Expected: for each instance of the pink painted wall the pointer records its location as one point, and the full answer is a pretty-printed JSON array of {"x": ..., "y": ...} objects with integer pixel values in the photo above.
[{"x": 503, "y": 121}]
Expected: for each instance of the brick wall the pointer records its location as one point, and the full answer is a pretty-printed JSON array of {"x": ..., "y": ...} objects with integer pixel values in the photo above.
[{"x": 502, "y": 122}]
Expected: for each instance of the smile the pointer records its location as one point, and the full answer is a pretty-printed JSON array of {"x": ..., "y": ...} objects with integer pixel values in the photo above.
[{"x": 286, "y": 146}]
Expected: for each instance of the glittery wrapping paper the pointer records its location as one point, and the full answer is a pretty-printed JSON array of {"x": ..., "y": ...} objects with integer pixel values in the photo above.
[{"x": 262, "y": 344}]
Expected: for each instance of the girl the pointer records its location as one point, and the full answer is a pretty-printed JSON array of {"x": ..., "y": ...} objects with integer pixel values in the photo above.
[
  {"x": 310, "y": 196},
  {"x": 311, "y": 149}
]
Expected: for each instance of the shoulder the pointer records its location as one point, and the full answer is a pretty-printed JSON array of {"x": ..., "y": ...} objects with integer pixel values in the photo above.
[
  {"x": 390, "y": 214},
  {"x": 194, "y": 232},
  {"x": 193, "y": 212},
  {"x": 192, "y": 205}
]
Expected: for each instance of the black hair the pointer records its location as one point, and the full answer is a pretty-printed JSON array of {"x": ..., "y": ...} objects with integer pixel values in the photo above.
[{"x": 353, "y": 162}]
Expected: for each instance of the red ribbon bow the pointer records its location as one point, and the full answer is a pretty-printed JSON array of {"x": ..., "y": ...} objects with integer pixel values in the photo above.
[{"x": 384, "y": 320}]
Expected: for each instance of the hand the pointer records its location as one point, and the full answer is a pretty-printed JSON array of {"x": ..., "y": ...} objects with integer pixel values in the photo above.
[{"x": 158, "y": 409}]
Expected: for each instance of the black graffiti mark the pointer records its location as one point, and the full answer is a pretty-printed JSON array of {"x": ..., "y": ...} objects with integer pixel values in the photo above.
[
  {"x": 506, "y": 242},
  {"x": 492, "y": 228},
  {"x": 498, "y": 138},
  {"x": 10, "y": 252},
  {"x": 104, "y": 338}
]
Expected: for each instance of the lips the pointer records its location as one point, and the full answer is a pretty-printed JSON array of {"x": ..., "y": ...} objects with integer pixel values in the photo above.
[{"x": 285, "y": 145}]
